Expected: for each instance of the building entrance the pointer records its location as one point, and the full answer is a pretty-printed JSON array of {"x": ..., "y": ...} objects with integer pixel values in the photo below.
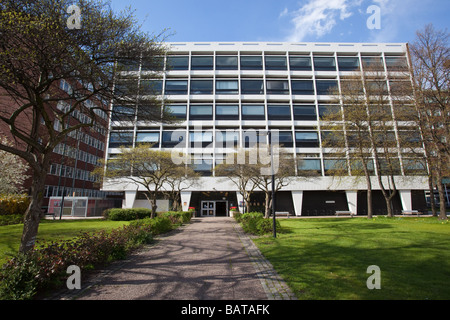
[{"x": 214, "y": 208}]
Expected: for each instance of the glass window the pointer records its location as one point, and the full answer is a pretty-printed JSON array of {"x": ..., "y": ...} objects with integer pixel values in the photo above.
[
  {"x": 253, "y": 112},
  {"x": 152, "y": 63},
  {"x": 123, "y": 113},
  {"x": 335, "y": 166},
  {"x": 251, "y": 63},
  {"x": 229, "y": 138},
  {"x": 171, "y": 139},
  {"x": 150, "y": 87},
  {"x": 348, "y": 63},
  {"x": 307, "y": 139},
  {"x": 252, "y": 87},
  {"x": 309, "y": 167},
  {"x": 176, "y": 87},
  {"x": 118, "y": 139},
  {"x": 374, "y": 63},
  {"x": 177, "y": 63},
  {"x": 303, "y": 87},
  {"x": 148, "y": 137},
  {"x": 324, "y": 64},
  {"x": 284, "y": 138},
  {"x": 279, "y": 112},
  {"x": 396, "y": 63},
  {"x": 227, "y": 112},
  {"x": 253, "y": 137},
  {"x": 327, "y": 87},
  {"x": 202, "y": 166},
  {"x": 202, "y": 63},
  {"x": 200, "y": 112},
  {"x": 227, "y": 87},
  {"x": 200, "y": 139},
  {"x": 226, "y": 63},
  {"x": 276, "y": 63},
  {"x": 305, "y": 112},
  {"x": 327, "y": 110},
  {"x": 201, "y": 86},
  {"x": 178, "y": 112},
  {"x": 277, "y": 87},
  {"x": 300, "y": 63}
]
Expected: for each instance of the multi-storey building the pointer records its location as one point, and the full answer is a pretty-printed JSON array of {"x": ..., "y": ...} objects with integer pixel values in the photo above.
[{"x": 225, "y": 92}]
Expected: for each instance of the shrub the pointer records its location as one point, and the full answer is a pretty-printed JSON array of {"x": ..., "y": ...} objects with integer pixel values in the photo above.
[
  {"x": 14, "y": 204},
  {"x": 177, "y": 217},
  {"x": 119, "y": 214},
  {"x": 255, "y": 223},
  {"x": 265, "y": 226},
  {"x": 11, "y": 219}
]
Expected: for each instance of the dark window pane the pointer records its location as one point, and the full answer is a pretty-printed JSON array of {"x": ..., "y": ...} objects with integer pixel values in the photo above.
[
  {"x": 326, "y": 110},
  {"x": 251, "y": 63},
  {"x": 176, "y": 87},
  {"x": 309, "y": 167},
  {"x": 348, "y": 63},
  {"x": 148, "y": 137},
  {"x": 171, "y": 139},
  {"x": 276, "y": 63},
  {"x": 226, "y": 63},
  {"x": 227, "y": 138},
  {"x": 304, "y": 87},
  {"x": 277, "y": 87},
  {"x": 283, "y": 138},
  {"x": 307, "y": 139},
  {"x": 227, "y": 112},
  {"x": 202, "y": 63},
  {"x": 252, "y": 87},
  {"x": 326, "y": 86},
  {"x": 300, "y": 63},
  {"x": 201, "y": 86},
  {"x": 373, "y": 63},
  {"x": 279, "y": 112},
  {"x": 123, "y": 113},
  {"x": 324, "y": 64},
  {"x": 200, "y": 113},
  {"x": 150, "y": 87},
  {"x": 253, "y": 112},
  {"x": 227, "y": 87},
  {"x": 178, "y": 63},
  {"x": 118, "y": 139},
  {"x": 396, "y": 63},
  {"x": 306, "y": 112},
  {"x": 178, "y": 112}
]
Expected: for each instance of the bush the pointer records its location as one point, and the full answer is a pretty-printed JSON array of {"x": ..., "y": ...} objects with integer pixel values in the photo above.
[
  {"x": 14, "y": 204},
  {"x": 255, "y": 223},
  {"x": 11, "y": 219},
  {"x": 265, "y": 226},
  {"x": 119, "y": 214},
  {"x": 177, "y": 217},
  {"x": 156, "y": 225}
]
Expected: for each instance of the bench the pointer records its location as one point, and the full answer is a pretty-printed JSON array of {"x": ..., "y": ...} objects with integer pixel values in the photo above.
[
  {"x": 282, "y": 213},
  {"x": 410, "y": 212},
  {"x": 344, "y": 213}
]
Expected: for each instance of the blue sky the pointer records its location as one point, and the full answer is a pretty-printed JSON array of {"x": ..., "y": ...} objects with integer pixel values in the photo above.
[{"x": 288, "y": 20}]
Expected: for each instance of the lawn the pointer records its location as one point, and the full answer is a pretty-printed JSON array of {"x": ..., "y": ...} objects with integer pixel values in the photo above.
[
  {"x": 50, "y": 230},
  {"x": 328, "y": 258}
]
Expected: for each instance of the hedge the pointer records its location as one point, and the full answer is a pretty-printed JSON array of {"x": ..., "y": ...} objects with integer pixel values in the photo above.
[
  {"x": 255, "y": 223},
  {"x": 14, "y": 204},
  {"x": 119, "y": 214}
]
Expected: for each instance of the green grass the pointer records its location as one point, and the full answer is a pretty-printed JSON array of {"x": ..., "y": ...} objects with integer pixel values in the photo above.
[
  {"x": 50, "y": 230},
  {"x": 328, "y": 258}
]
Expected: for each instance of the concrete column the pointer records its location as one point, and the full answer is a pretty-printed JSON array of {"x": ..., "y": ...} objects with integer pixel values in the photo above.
[
  {"x": 130, "y": 197},
  {"x": 240, "y": 199},
  {"x": 405, "y": 196},
  {"x": 186, "y": 199},
  {"x": 352, "y": 200},
  {"x": 297, "y": 199}
]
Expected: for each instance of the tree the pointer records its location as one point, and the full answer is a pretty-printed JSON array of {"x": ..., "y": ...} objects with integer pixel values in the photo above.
[
  {"x": 43, "y": 63},
  {"x": 430, "y": 57},
  {"x": 182, "y": 178},
  {"x": 143, "y": 166},
  {"x": 12, "y": 171}
]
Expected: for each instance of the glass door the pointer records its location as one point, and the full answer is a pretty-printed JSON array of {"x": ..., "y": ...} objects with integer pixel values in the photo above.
[{"x": 208, "y": 208}]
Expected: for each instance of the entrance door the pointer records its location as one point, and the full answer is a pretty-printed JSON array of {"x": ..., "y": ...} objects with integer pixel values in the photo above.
[{"x": 208, "y": 208}]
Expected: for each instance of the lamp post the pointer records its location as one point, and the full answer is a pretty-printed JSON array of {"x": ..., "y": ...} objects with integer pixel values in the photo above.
[{"x": 269, "y": 133}]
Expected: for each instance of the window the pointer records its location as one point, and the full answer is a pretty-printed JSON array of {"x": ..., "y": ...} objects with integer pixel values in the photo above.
[
  {"x": 176, "y": 111},
  {"x": 348, "y": 63},
  {"x": 305, "y": 112},
  {"x": 327, "y": 110},
  {"x": 200, "y": 139},
  {"x": 252, "y": 87},
  {"x": 229, "y": 138},
  {"x": 176, "y": 87},
  {"x": 123, "y": 113},
  {"x": 118, "y": 139},
  {"x": 277, "y": 87},
  {"x": 279, "y": 112},
  {"x": 200, "y": 112},
  {"x": 327, "y": 87},
  {"x": 253, "y": 137},
  {"x": 333, "y": 139},
  {"x": 306, "y": 139},
  {"x": 324, "y": 64},
  {"x": 303, "y": 87},
  {"x": 334, "y": 166},
  {"x": 177, "y": 63},
  {"x": 226, "y": 63},
  {"x": 300, "y": 63},
  {"x": 202, "y": 63},
  {"x": 150, "y": 87},
  {"x": 372, "y": 63},
  {"x": 396, "y": 63},
  {"x": 227, "y": 112},
  {"x": 152, "y": 63},
  {"x": 172, "y": 139},
  {"x": 201, "y": 86},
  {"x": 148, "y": 137},
  {"x": 276, "y": 63},
  {"x": 227, "y": 87},
  {"x": 251, "y": 63},
  {"x": 309, "y": 167},
  {"x": 202, "y": 165},
  {"x": 284, "y": 138},
  {"x": 253, "y": 112}
]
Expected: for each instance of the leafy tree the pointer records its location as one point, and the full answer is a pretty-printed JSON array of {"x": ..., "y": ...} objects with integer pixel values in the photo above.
[{"x": 43, "y": 63}]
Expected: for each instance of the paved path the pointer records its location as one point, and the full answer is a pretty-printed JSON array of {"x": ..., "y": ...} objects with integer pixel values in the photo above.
[{"x": 208, "y": 259}]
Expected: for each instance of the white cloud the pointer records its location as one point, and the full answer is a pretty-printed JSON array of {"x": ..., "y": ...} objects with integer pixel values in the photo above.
[{"x": 319, "y": 17}]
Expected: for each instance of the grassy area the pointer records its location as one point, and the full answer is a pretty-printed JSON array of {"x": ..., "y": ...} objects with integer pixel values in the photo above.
[
  {"x": 328, "y": 258},
  {"x": 50, "y": 230}
]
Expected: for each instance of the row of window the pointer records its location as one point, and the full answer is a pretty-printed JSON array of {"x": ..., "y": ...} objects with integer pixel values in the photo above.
[
  {"x": 55, "y": 191},
  {"x": 74, "y": 153},
  {"x": 273, "y": 62},
  {"x": 70, "y": 172}
]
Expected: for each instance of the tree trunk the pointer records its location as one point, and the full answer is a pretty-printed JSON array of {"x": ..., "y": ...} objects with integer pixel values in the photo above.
[
  {"x": 268, "y": 205},
  {"x": 432, "y": 201},
  {"x": 442, "y": 210}
]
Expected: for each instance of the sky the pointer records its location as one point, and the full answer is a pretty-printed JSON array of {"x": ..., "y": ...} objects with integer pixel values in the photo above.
[{"x": 288, "y": 20}]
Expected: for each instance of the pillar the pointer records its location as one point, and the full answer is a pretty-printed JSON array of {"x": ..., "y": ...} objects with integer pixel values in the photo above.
[
  {"x": 352, "y": 201},
  {"x": 186, "y": 199},
  {"x": 405, "y": 196},
  {"x": 130, "y": 196},
  {"x": 297, "y": 199}
]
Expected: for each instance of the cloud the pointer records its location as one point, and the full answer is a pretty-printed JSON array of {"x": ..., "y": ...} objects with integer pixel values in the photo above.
[{"x": 319, "y": 17}]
